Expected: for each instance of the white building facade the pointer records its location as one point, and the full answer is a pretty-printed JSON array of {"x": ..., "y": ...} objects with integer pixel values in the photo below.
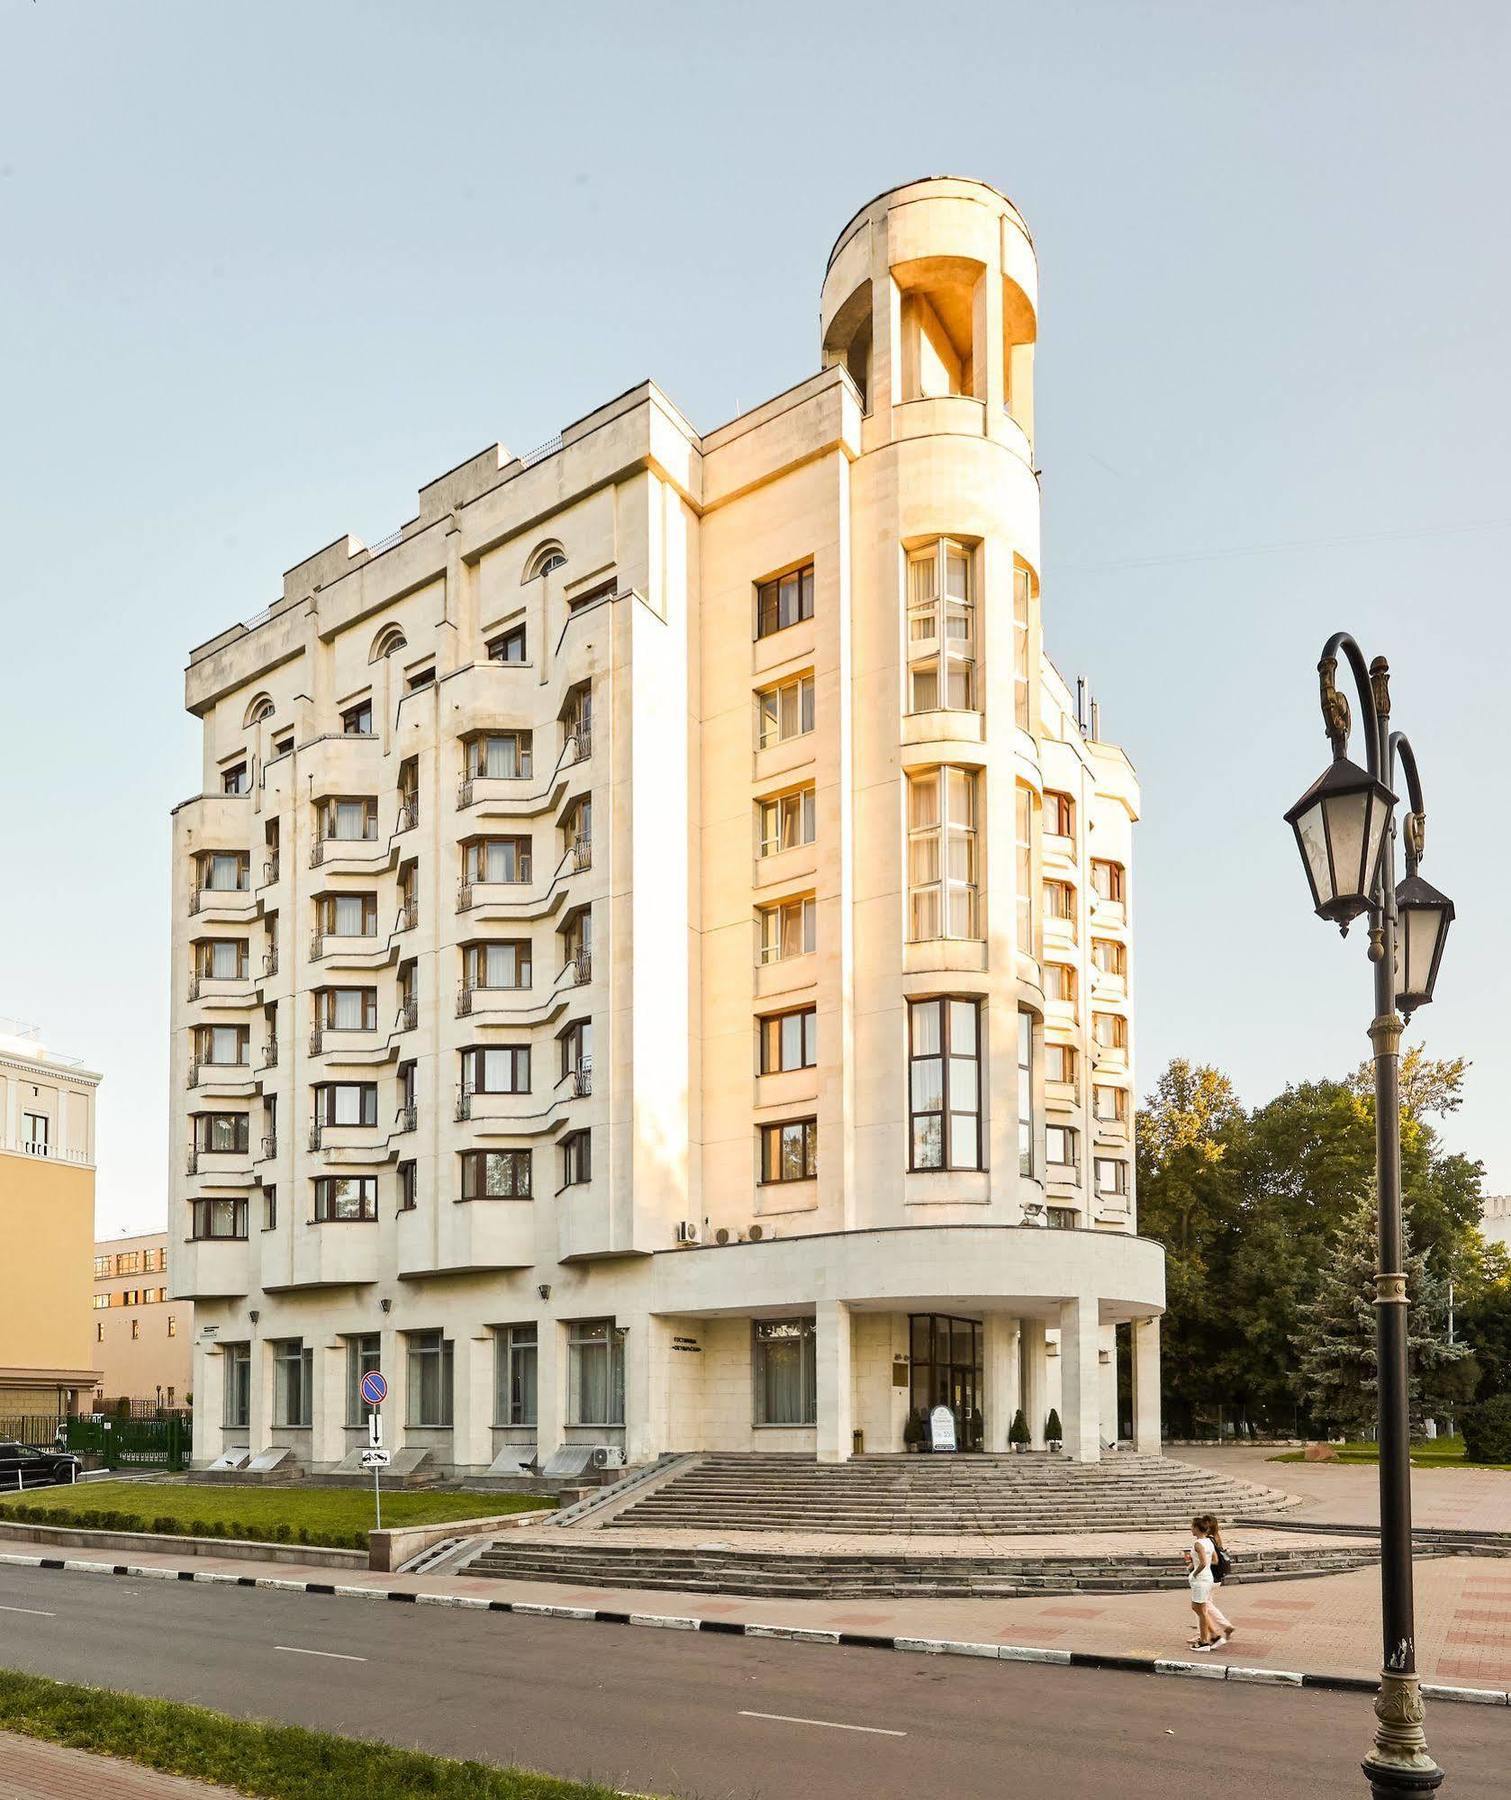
[{"x": 652, "y": 954}]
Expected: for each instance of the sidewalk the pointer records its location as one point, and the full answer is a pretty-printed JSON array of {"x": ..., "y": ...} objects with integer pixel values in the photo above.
[{"x": 33, "y": 1770}]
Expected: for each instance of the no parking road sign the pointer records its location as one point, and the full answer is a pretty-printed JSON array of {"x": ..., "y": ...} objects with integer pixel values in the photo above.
[
  {"x": 376, "y": 1458},
  {"x": 374, "y": 1388}
]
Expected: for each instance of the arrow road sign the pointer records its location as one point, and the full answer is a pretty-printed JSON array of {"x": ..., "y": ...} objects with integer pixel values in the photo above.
[
  {"x": 375, "y": 1429},
  {"x": 374, "y": 1388},
  {"x": 373, "y": 1458}
]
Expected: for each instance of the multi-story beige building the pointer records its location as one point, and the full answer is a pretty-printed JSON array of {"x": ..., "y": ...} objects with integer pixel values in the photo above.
[
  {"x": 1495, "y": 1219},
  {"x": 46, "y": 1226},
  {"x": 652, "y": 950},
  {"x": 141, "y": 1337}
]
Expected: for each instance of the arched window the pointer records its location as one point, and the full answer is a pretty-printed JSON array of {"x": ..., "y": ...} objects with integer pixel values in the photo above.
[
  {"x": 388, "y": 640},
  {"x": 260, "y": 709},
  {"x": 543, "y": 559}
]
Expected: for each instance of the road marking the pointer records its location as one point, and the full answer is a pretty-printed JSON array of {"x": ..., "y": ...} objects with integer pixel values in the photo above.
[
  {"x": 828, "y": 1724},
  {"x": 334, "y": 1655},
  {"x": 35, "y": 1611}
]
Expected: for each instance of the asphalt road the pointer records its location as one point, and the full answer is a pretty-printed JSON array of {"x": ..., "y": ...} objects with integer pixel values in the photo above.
[{"x": 719, "y": 1718}]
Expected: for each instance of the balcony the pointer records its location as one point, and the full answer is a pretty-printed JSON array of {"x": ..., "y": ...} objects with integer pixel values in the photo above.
[
  {"x": 270, "y": 870},
  {"x": 348, "y": 855},
  {"x": 406, "y": 1119},
  {"x": 317, "y": 1042},
  {"x": 577, "y": 971},
  {"x": 269, "y": 1151},
  {"x": 581, "y": 1079},
  {"x": 462, "y": 1111},
  {"x": 471, "y": 1235},
  {"x": 408, "y": 1017},
  {"x": 270, "y": 1054},
  {"x": 409, "y": 914},
  {"x": 409, "y": 812},
  {"x": 578, "y": 746},
  {"x": 213, "y": 1268},
  {"x": 270, "y": 963},
  {"x": 223, "y": 906}
]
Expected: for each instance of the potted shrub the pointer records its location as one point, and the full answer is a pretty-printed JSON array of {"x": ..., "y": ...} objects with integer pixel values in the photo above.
[
  {"x": 1018, "y": 1433},
  {"x": 912, "y": 1430},
  {"x": 1053, "y": 1436}
]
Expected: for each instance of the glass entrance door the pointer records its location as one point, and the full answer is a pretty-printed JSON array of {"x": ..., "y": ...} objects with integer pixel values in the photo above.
[{"x": 945, "y": 1357}]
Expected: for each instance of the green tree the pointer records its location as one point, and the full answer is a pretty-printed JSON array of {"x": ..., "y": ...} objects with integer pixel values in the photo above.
[
  {"x": 1336, "y": 1366},
  {"x": 1482, "y": 1283}
]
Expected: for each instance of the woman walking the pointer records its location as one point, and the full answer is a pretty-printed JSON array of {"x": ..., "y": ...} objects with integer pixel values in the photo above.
[
  {"x": 1221, "y": 1564},
  {"x": 1199, "y": 1560}
]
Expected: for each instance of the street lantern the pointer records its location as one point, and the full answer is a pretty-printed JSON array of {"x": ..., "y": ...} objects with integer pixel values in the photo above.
[
  {"x": 1340, "y": 831},
  {"x": 1424, "y": 916}
]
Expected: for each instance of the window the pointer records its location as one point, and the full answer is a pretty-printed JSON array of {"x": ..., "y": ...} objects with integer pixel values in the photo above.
[
  {"x": 220, "y": 1133},
  {"x": 784, "y": 712},
  {"x": 577, "y": 827},
  {"x": 36, "y": 1127},
  {"x": 234, "y": 780},
  {"x": 505, "y": 1070},
  {"x": 505, "y": 964},
  {"x": 389, "y": 642},
  {"x": 226, "y": 871},
  {"x": 222, "y": 1045},
  {"x": 214, "y": 1219},
  {"x": 788, "y": 929},
  {"x": 784, "y": 601},
  {"x": 1060, "y": 1218},
  {"x": 270, "y": 1209},
  {"x": 1060, "y": 1146},
  {"x": 347, "y": 1102},
  {"x": 941, "y": 629},
  {"x": 789, "y": 1151},
  {"x": 422, "y": 678},
  {"x": 1060, "y": 903},
  {"x": 1107, "y": 879},
  {"x": 499, "y": 756},
  {"x": 1112, "y": 1176},
  {"x": 515, "y": 1354},
  {"x": 786, "y": 822},
  {"x": 346, "y": 1199},
  {"x": 1027, "y": 1124},
  {"x": 429, "y": 1380},
  {"x": 348, "y": 820},
  {"x": 1109, "y": 956},
  {"x": 237, "y": 1387},
  {"x": 157, "y": 1259},
  {"x": 349, "y": 915},
  {"x": 1059, "y": 981},
  {"x": 942, "y": 872},
  {"x": 1109, "y": 1105},
  {"x": 789, "y": 1041},
  {"x": 595, "y": 1373},
  {"x": 101, "y": 1267},
  {"x": 172, "y": 1326},
  {"x": 1059, "y": 1063},
  {"x": 944, "y": 1085},
  {"x": 577, "y": 1049},
  {"x": 1022, "y": 596},
  {"x": 786, "y": 1382},
  {"x": 130, "y": 1263},
  {"x": 543, "y": 560},
  {"x": 509, "y": 648},
  {"x": 99, "y": 1334},
  {"x": 222, "y": 959},
  {"x": 136, "y": 1328},
  {"x": 502, "y": 859},
  {"x": 284, "y": 746},
  {"x": 407, "y": 1085},
  {"x": 1110, "y": 1030},
  {"x": 364, "y": 1354},
  {"x": 495, "y": 1174},
  {"x": 1059, "y": 814},
  {"x": 1023, "y": 819},
  {"x": 348, "y": 1008},
  {"x": 101, "y": 1301},
  {"x": 357, "y": 721},
  {"x": 576, "y": 1158},
  {"x": 409, "y": 1196}
]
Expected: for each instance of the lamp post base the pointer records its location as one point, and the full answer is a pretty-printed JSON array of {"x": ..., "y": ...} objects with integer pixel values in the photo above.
[{"x": 1399, "y": 1763}]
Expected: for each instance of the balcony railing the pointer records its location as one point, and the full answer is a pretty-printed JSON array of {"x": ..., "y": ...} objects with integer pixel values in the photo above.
[
  {"x": 193, "y": 1160},
  {"x": 463, "y": 1001},
  {"x": 463, "y": 1109},
  {"x": 314, "y": 1137},
  {"x": 409, "y": 914},
  {"x": 578, "y": 970},
  {"x": 269, "y": 1147},
  {"x": 582, "y": 1079},
  {"x": 407, "y": 1118},
  {"x": 317, "y": 946},
  {"x": 464, "y": 896},
  {"x": 578, "y": 747},
  {"x": 316, "y": 1042},
  {"x": 409, "y": 812},
  {"x": 464, "y": 794},
  {"x": 580, "y": 854},
  {"x": 193, "y": 1077},
  {"x": 409, "y": 1016},
  {"x": 270, "y": 871},
  {"x": 270, "y": 963},
  {"x": 270, "y": 1054}
]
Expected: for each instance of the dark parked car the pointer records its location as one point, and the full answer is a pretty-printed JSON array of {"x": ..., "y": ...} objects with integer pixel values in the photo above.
[{"x": 22, "y": 1466}]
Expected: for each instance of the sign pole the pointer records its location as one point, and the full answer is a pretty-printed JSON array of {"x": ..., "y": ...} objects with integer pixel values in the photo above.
[{"x": 374, "y": 1391}]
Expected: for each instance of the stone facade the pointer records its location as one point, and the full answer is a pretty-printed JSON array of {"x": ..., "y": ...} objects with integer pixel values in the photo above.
[{"x": 141, "y": 1338}]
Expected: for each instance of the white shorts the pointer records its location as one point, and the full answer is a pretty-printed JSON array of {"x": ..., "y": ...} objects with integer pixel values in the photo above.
[{"x": 1201, "y": 1587}]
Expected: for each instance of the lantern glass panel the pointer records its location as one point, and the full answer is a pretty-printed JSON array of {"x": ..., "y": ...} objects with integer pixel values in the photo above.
[
  {"x": 1312, "y": 834},
  {"x": 1347, "y": 820}
]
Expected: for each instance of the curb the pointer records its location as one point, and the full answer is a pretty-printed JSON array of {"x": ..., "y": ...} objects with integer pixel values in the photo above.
[{"x": 800, "y": 1634}]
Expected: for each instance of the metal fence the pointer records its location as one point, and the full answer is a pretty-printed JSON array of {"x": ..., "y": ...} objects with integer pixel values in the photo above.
[{"x": 133, "y": 1443}]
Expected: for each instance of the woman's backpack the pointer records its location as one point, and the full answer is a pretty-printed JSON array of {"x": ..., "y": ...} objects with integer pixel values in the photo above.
[{"x": 1222, "y": 1563}]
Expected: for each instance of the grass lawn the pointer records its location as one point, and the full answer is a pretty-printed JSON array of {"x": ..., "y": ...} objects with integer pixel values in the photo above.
[
  {"x": 1434, "y": 1453},
  {"x": 291, "y": 1515},
  {"x": 280, "y": 1762}
]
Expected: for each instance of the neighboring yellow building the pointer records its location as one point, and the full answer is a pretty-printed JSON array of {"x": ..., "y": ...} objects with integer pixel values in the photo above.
[
  {"x": 141, "y": 1339},
  {"x": 46, "y": 1226}
]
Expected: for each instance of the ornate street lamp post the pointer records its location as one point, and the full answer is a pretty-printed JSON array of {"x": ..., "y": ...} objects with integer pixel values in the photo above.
[{"x": 1345, "y": 827}]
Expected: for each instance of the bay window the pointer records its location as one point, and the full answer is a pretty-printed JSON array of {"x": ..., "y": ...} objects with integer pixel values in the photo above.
[
  {"x": 501, "y": 1070},
  {"x": 221, "y": 1045},
  {"x": 495, "y": 1174},
  {"x": 348, "y": 915},
  {"x": 222, "y": 959},
  {"x": 503, "y": 963},
  {"x": 944, "y": 1084},
  {"x": 1110, "y": 1030},
  {"x": 225, "y": 871},
  {"x": 346, "y": 1199},
  {"x": 501, "y": 860},
  {"x": 1059, "y": 1063},
  {"x": 218, "y": 1219},
  {"x": 1109, "y": 956},
  {"x": 348, "y": 1008},
  {"x": 1061, "y": 1147},
  {"x": 1109, "y": 1105},
  {"x": 220, "y": 1133},
  {"x": 1107, "y": 879},
  {"x": 941, "y": 629},
  {"x": 348, "y": 820},
  {"x": 347, "y": 1102},
  {"x": 499, "y": 756},
  {"x": 1112, "y": 1176},
  {"x": 942, "y": 854}
]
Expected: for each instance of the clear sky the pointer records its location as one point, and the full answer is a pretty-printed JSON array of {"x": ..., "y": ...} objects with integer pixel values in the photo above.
[{"x": 265, "y": 270}]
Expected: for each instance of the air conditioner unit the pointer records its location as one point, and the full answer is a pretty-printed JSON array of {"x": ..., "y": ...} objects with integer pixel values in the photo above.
[
  {"x": 757, "y": 1232},
  {"x": 607, "y": 1456},
  {"x": 687, "y": 1232},
  {"x": 721, "y": 1236}
]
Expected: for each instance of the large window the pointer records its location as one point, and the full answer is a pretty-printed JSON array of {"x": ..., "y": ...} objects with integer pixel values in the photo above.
[
  {"x": 499, "y": 755},
  {"x": 220, "y": 1133},
  {"x": 1023, "y": 824},
  {"x": 234, "y": 779},
  {"x": 595, "y": 1373},
  {"x": 941, "y": 629},
  {"x": 348, "y": 915},
  {"x": 1108, "y": 879},
  {"x": 1060, "y": 981},
  {"x": 364, "y": 1354},
  {"x": 505, "y": 963},
  {"x": 1022, "y": 596},
  {"x": 1027, "y": 1123},
  {"x": 786, "y": 1383},
  {"x": 409, "y": 1184},
  {"x": 942, "y": 854},
  {"x": 789, "y": 929},
  {"x": 786, "y": 822},
  {"x": 236, "y": 1414},
  {"x": 226, "y": 871},
  {"x": 1110, "y": 1030},
  {"x": 220, "y": 1045},
  {"x": 222, "y": 959},
  {"x": 1060, "y": 903},
  {"x": 429, "y": 1380},
  {"x": 1109, "y": 956},
  {"x": 1059, "y": 814},
  {"x": 293, "y": 1381},
  {"x": 357, "y": 721},
  {"x": 495, "y": 1174},
  {"x": 576, "y": 1158},
  {"x": 348, "y": 820},
  {"x": 504, "y": 860},
  {"x": 1112, "y": 1176},
  {"x": 347, "y": 1103},
  {"x": 515, "y": 1370},
  {"x": 509, "y": 647},
  {"x": 346, "y": 1199},
  {"x": 785, "y": 601},
  {"x": 219, "y": 1219},
  {"x": 789, "y": 1040},
  {"x": 348, "y": 1008},
  {"x": 789, "y": 1151},
  {"x": 577, "y": 1050},
  {"x": 1061, "y": 1146},
  {"x": 505, "y": 1070},
  {"x": 784, "y": 712},
  {"x": 944, "y": 1084},
  {"x": 1059, "y": 1063},
  {"x": 1109, "y": 1105}
]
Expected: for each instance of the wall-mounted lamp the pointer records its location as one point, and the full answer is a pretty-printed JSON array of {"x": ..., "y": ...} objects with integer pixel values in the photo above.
[
  {"x": 544, "y": 1290},
  {"x": 384, "y": 1305},
  {"x": 254, "y": 1316}
]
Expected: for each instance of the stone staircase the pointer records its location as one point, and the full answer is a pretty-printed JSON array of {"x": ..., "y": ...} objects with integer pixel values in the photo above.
[
  {"x": 777, "y": 1574},
  {"x": 947, "y": 1496}
]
